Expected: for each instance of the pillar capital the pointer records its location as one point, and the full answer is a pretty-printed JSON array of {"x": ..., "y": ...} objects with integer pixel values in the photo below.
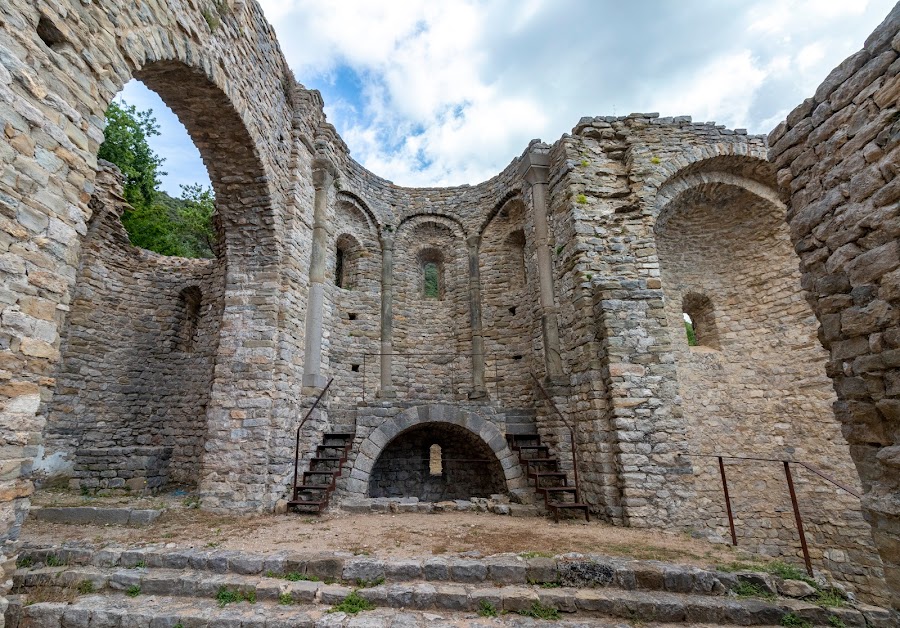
[
  {"x": 473, "y": 241},
  {"x": 323, "y": 173},
  {"x": 387, "y": 238},
  {"x": 534, "y": 165}
]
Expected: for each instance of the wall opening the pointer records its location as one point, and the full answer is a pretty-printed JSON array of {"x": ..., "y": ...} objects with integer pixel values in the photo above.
[
  {"x": 347, "y": 252},
  {"x": 432, "y": 264},
  {"x": 699, "y": 321},
  {"x": 436, "y": 462},
  {"x": 188, "y": 314},
  {"x": 50, "y": 34}
]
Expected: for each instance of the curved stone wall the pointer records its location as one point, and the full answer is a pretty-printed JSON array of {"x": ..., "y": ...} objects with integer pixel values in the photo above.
[{"x": 596, "y": 318}]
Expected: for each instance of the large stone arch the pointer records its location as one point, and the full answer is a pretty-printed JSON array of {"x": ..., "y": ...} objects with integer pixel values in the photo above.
[
  {"x": 760, "y": 389},
  {"x": 220, "y": 75},
  {"x": 372, "y": 446}
]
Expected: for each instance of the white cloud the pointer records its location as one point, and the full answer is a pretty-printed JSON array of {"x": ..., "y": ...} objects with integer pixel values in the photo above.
[{"x": 450, "y": 92}]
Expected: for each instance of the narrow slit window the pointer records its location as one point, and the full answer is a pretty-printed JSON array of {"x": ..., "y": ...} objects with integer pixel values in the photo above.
[
  {"x": 339, "y": 268},
  {"x": 432, "y": 280},
  {"x": 435, "y": 461}
]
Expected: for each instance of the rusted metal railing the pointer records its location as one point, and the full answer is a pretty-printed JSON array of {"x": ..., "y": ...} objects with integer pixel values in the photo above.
[
  {"x": 300, "y": 426},
  {"x": 571, "y": 429},
  {"x": 789, "y": 478}
]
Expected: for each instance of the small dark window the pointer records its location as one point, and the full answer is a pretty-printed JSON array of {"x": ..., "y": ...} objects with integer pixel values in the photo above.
[
  {"x": 339, "y": 268},
  {"x": 352, "y": 316},
  {"x": 512, "y": 310},
  {"x": 354, "y": 368},
  {"x": 435, "y": 461},
  {"x": 517, "y": 357},
  {"x": 50, "y": 34},
  {"x": 189, "y": 302}
]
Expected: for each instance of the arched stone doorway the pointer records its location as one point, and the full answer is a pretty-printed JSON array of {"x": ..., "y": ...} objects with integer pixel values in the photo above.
[
  {"x": 440, "y": 421},
  {"x": 436, "y": 462}
]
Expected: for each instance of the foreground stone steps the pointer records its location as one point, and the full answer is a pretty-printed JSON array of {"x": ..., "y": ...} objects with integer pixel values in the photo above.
[
  {"x": 168, "y": 612},
  {"x": 592, "y": 587}
]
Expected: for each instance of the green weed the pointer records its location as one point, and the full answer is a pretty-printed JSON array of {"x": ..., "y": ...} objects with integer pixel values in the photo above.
[
  {"x": 581, "y": 199},
  {"x": 24, "y": 562},
  {"x": 792, "y": 621},
  {"x": 285, "y": 599},
  {"x": 748, "y": 589},
  {"x": 829, "y": 599},
  {"x": 133, "y": 591},
  {"x": 486, "y": 609},
  {"x": 539, "y": 611},
  {"x": 233, "y": 596},
  {"x": 367, "y": 584},
  {"x": 836, "y": 622},
  {"x": 54, "y": 561},
  {"x": 85, "y": 587},
  {"x": 352, "y": 605}
]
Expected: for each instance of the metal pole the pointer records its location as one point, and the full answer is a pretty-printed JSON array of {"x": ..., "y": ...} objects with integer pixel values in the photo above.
[
  {"x": 727, "y": 502},
  {"x": 790, "y": 483},
  {"x": 364, "y": 379}
]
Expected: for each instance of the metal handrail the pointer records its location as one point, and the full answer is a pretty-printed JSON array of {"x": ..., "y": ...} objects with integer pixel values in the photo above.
[
  {"x": 571, "y": 434},
  {"x": 790, "y": 483},
  {"x": 297, "y": 441}
]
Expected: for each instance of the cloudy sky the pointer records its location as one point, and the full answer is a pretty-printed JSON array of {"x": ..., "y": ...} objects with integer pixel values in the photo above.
[{"x": 445, "y": 93}]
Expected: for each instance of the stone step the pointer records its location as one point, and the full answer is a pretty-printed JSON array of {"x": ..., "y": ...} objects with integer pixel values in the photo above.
[
  {"x": 167, "y": 612},
  {"x": 462, "y": 586},
  {"x": 107, "y": 588}
]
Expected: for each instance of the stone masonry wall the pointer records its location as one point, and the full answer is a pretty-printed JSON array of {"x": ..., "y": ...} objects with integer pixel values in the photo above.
[
  {"x": 137, "y": 360},
  {"x": 838, "y": 153}
]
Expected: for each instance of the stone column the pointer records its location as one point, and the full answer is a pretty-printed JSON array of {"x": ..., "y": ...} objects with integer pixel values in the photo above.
[
  {"x": 387, "y": 313},
  {"x": 478, "y": 388},
  {"x": 323, "y": 177},
  {"x": 534, "y": 168}
]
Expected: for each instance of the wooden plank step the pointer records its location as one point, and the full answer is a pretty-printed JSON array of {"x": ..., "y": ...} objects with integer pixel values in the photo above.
[
  {"x": 332, "y": 472},
  {"x": 312, "y": 487},
  {"x": 534, "y": 447},
  {"x": 558, "y": 489},
  {"x": 339, "y": 435},
  {"x": 568, "y": 505}
]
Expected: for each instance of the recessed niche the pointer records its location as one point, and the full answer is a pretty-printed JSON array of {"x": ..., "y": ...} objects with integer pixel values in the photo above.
[
  {"x": 49, "y": 34},
  {"x": 512, "y": 310},
  {"x": 354, "y": 368},
  {"x": 352, "y": 316},
  {"x": 517, "y": 357}
]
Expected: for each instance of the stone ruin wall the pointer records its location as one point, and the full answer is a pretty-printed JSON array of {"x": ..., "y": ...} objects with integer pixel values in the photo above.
[
  {"x": 838, "y": 154},
  {"x": 621, "y": 342},
  {"x": 129, "y": 408},
  {"x": 736, "y": 399}
]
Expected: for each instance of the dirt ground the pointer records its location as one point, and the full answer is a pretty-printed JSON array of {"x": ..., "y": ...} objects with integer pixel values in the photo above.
[{"x": 376, "y": 534}]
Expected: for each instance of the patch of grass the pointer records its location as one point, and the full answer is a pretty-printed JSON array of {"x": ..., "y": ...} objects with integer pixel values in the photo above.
[
  {"x": 352, "y": 605},
  {"x": 539, "y": 611},
  {"x": 212, "y": 544},
  {"x": 367, "y": 584},
  {"x": 654, "y": 160},
  {"x": 581, "y": 199},
  {"x": 85, "y": 587},
  {"x": 550, "y": 585},
  {"x": 585, "y": 163},
  {"x": 55, "y": 561},
  {"x": 191, "y": 502},
  {"x": 792, "y": 621},
  {"x": 486, "y": 609},
  {"x": 140, "y": 564},
  {"x": 178, "y": 625},
  {"x": 776, "y": 568},
  {"x": 359, "y": 551},
  {"x": 133, "y": 591},
  {"x": 234, "y": 596},
  {"x": 789, "y": 572},
  {"x": 836, "y": 622},
  {"x": 535, "y": 555},
  {"x": 829, "y": 598},
  {"x": 748, "y": 589},
  {"x": 25, "y": 562},
  {"x": 285, "y": 599}
]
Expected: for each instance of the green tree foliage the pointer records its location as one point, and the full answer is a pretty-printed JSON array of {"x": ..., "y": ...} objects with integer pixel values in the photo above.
[
  {"x": 157, "y": 222},
  {"x": 432, "y": 281},
  {"x": 125, "y": 144},
  {"x": 691, "y": 336}
]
